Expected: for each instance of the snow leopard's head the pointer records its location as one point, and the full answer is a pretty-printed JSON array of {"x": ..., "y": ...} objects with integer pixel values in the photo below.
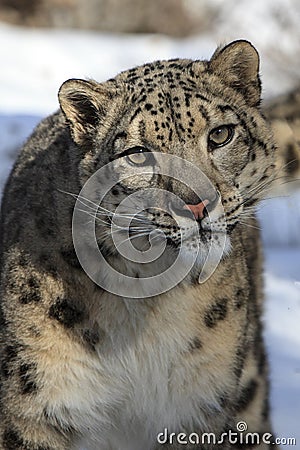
[{"x": 176, "y": 153}]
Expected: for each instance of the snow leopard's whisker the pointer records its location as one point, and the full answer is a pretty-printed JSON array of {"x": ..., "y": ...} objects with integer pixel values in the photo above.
[
  {"x": 132, "y": 217},
  {"x": 256, "y": 191},
  {"x": 120, "y": 228},
  {"x": 94, "y": 206},
  {"x": 134, "y": 237},
  {"x": 284, "y": 166},
  {"x": 100, "y": 210},
  {"x": 110, "y": 223},
  {"x": 269, "y": 182},
  {"x": 131, "y": 228},
  {"x": 256, "y": 227},
  {"x": 137, "y": 230},
  {"x": 93, "y": 216},
  {"x": 98, "y": 206},
  {"x": 258, "y": 188},
  {"x": 134, "y": 207},
  {"x": 248, "y": 212},
  {"x": 246, "y": 215},
  {"x": 284, "y": 182}
]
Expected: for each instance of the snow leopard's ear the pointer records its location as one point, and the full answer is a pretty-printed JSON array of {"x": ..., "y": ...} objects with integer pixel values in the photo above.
[
  {"x": 86, "y": 105},
  {"x": 237, "y": 64}
]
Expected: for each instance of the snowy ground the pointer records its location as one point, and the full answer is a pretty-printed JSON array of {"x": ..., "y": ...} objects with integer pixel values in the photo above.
[{"x": 35, "y": 63}]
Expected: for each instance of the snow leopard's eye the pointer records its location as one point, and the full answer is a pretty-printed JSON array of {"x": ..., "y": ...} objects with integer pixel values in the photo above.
[
  {"x": 138, "y": 156},
  {"x": 220, "y": 136}
]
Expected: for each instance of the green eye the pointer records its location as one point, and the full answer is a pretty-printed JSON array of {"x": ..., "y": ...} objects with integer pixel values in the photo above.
[
  {"x": 138, "y": 156},
  {"x": 220, "y": 136}
]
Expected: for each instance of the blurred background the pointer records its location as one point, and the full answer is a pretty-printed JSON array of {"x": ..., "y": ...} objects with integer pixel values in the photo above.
[{"x": 44, "y": 42}]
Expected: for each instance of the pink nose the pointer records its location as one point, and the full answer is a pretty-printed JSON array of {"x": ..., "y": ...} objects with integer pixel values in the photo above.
[{"x": 197, "y": 210}]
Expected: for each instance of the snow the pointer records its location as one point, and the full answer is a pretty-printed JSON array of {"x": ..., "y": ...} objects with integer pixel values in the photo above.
[
  {"x": 282, "y": 214},
  {"x": 282, "y": 337},
  {"x": 273, "y": 27},
  {"x": 49, "y": 57},
  {"x": 36, "y": 62}
]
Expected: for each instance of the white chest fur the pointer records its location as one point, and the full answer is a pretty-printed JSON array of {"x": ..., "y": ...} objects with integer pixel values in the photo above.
[{"x": 139, "y": 380}]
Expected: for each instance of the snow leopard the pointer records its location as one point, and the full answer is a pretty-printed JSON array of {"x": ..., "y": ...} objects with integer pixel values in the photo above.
[{"x": 180, "y": 363}]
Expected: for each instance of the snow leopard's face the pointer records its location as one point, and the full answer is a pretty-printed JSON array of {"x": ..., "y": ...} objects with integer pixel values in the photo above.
[{"x": 183, "y": 148}]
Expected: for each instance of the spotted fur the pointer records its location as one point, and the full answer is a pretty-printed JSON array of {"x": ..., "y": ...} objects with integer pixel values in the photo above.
[
  {"x": 283, "y": 113},
  {"x": 83, "y": 367}
]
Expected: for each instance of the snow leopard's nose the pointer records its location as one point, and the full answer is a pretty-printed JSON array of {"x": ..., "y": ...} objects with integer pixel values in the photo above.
[
  {"x": 202, "y": 209},
  {"x": 198, "y": 210},
  {"x": 190, "y": 211}
]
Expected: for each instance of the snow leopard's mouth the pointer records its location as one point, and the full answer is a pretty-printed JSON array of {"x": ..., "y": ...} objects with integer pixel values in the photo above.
[{"x": 190, "y": 223}]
